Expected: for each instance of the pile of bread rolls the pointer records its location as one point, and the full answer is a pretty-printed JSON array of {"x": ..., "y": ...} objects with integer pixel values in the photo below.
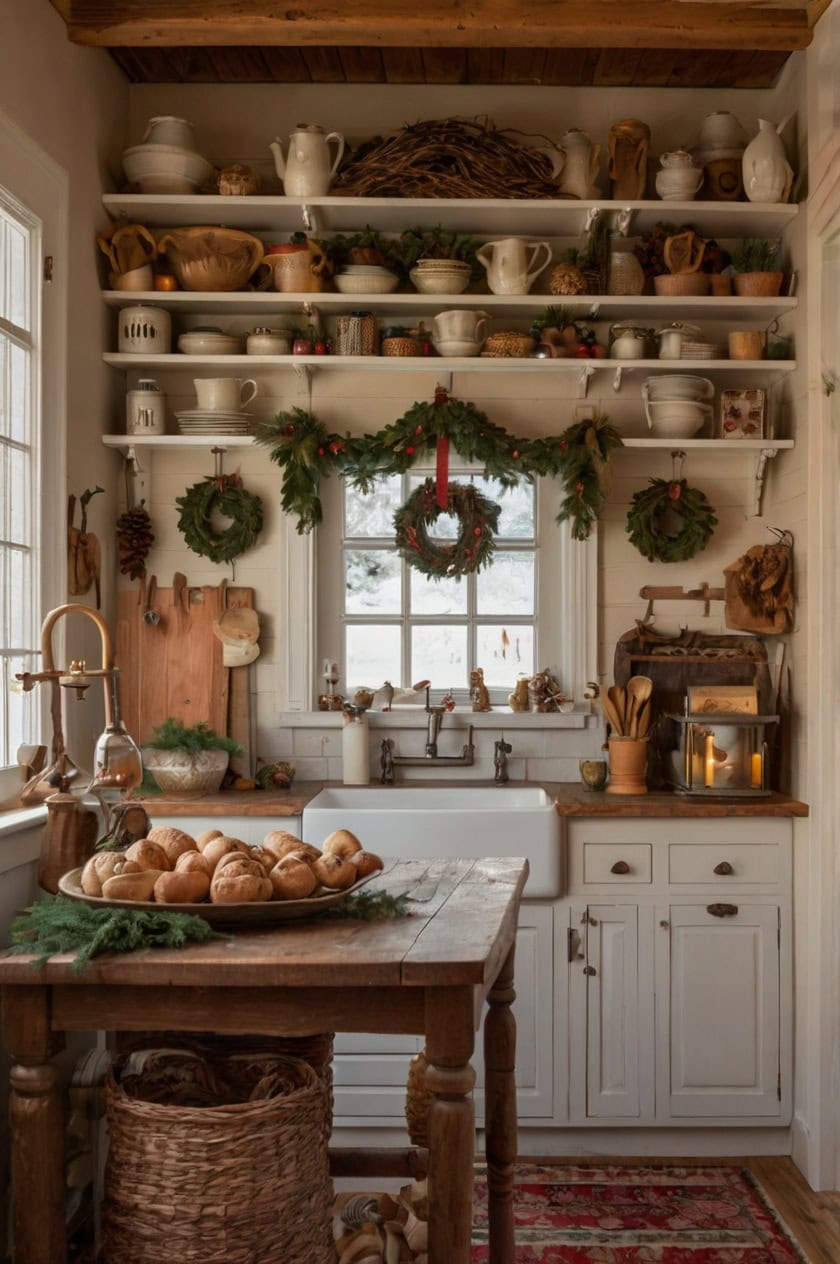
[{"x": 170, "y": 867}]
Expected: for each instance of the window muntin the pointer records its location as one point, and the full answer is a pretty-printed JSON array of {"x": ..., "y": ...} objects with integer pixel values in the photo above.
[{"x": 401, "y": 626}]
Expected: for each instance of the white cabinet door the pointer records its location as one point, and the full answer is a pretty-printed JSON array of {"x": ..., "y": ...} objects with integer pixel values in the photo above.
[
  {"x": 719, "y": 1031},
  {"x": 371, "y": 1071},
  {"x": 611, "y": 1013}
]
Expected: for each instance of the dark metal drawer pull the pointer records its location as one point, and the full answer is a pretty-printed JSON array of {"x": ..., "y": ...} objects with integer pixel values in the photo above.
[
  {"x": 724, "y": 868},
  {"x": 722, "y": 910},
  {"x": 620, "y": 866}
]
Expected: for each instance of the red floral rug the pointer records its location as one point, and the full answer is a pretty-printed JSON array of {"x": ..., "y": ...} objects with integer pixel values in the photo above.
[{"x": 639, "y": 1215}]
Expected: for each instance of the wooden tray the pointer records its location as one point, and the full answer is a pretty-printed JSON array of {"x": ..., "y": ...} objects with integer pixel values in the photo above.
[{"x": 264, "y": 912}]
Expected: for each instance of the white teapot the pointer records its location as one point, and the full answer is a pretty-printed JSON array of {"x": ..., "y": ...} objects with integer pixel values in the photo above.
[
  {"x": 306, "y": 170},
  {"x": 510, "y": 269}
]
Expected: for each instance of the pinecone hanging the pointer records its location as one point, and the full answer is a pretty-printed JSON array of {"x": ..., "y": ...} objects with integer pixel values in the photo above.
[{"x": 134, "y": 540}]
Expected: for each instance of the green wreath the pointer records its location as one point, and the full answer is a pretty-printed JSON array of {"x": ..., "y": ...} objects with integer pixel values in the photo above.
[
  {"x": 474, "y": 545},
  {"x": 663, "y": 500},
  {"x": 226, "y": 496}
]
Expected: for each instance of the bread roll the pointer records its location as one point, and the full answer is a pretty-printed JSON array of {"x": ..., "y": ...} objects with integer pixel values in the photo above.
[
  {"x": 334, "y": 872},
  {"x": 366, "y": 862},
  {"x": 207, "y": 837},
  {"x": 240, "y": 890},
  {"x": 148, "y": 855},
  {"x": 193, "y": 862},
  {"x": 292, "y": 846},
  {"x": 292, "y": 879},
  {"x": 131, "y": 886},
  {"x": 236, "y": 865},
  {"x": 263, "y": 857},
  {"x": 103, "y": 866},
  {"x": 218, "y": 847},
  {"x": 341, "y": 843},
  {"x": 182, "y": 888},
  {"x": 173, "y": 841}
]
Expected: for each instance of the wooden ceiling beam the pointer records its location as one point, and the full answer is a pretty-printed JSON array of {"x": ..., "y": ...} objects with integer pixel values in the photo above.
[{"x": 702, "y": 24}]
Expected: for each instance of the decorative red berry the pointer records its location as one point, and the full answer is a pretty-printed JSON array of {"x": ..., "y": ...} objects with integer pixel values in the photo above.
[
  {"x": 290, "y": 430},
  {"x": 563, "y": 445},
  {"x": 476, "y": 530},
  {"x": 336, "y": 447},
  {"x": 419, "y": 430},
  {"x": 409, "y": 451},
  {"x": 321, "y": 452},
  {"x": 515, "y": 454},
  {"x": 579, "y": 488},
  {"x": 674, "y": 491}
]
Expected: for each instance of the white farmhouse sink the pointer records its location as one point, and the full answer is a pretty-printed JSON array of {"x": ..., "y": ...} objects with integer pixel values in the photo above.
[{"x": 429, "y": 823}]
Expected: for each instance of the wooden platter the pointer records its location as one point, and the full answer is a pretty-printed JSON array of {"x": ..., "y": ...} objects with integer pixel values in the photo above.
[{"x": 254, "y": 913}]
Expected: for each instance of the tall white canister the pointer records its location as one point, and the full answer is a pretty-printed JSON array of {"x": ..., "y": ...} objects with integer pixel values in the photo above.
[
  {"x": 355, "y": 748},
  {"x": 145, "y": 411}
]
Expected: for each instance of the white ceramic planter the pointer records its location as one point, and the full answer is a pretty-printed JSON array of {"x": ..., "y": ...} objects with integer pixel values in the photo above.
[{"x": 178, "y": 772}]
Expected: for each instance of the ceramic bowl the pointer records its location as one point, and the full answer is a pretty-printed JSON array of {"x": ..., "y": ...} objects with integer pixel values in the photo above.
[
  {"x": 209, "y": 258},
  {"x": 677, "y": 418},
  {"x": 439, "y": 281},
  {"x": 456, "y": 346},
  {"x": 367, "y": 283},
  {"x": 165, "y": 169},
  {"x": 208, "y": 343},
  {"x": 678, "y": 386}
]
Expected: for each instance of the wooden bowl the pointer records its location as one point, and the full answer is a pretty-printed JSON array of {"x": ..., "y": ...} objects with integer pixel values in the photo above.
[
  {"x": 681, "y": 284},
  {"x": 211, "y": 259}
]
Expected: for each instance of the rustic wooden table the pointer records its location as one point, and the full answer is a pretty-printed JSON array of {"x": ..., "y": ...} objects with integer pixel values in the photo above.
[{"x": 429, "y": 974}]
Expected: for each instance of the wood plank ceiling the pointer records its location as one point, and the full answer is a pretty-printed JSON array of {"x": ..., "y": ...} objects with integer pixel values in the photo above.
[{"x": 651, "y": 43}]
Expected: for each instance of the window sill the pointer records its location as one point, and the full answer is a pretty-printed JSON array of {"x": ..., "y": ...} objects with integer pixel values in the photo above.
[
  {"x": 414, "y": 717},
  {"x": 19, "y": 843}
]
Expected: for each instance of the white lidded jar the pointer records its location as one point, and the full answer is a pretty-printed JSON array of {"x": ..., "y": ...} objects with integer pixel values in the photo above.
[
  {"x": 144, "y": 330},
  {"x": 355, "y": 748},
  {"x": 145, "y": 411}
]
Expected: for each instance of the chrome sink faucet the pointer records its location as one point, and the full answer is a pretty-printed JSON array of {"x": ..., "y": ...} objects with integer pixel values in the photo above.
[
  {"x": 501, "y": 751},
  {"x": 434, "y": 722}
]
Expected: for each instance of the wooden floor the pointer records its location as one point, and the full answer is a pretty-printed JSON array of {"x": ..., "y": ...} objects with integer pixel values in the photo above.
[{"x": 813, "y": 1219}]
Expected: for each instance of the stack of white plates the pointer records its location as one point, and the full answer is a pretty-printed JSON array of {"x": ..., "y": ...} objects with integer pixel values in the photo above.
[
  {"x": 702, "y": 351},
  {"x": 207, "y": 421}
]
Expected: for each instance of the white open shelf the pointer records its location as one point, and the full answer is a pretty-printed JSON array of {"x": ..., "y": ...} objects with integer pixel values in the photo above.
[{"x": 125, "y": 441}]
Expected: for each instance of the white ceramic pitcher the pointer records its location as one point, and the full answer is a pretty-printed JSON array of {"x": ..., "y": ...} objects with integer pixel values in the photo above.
[
  {"x": 306, "y": 170},
  {"x": 582, "y": 164},
  {"x": 460, "y": 326},
  {"x": 510, "y": 267},
  {"x": 768, "y": 175}
]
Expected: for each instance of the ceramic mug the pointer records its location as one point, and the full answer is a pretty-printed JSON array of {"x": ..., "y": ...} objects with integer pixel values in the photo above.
[
  {"x": 224, "y": 394},
  {"x": 460, "y": 326}
]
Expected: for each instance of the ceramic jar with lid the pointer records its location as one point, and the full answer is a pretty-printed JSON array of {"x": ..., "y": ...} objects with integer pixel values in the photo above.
[
  {"x": 144, "y": 330},
  {"x": 671, "y": 339},
  {"x": 629, "y": 342},
  {"x": 263, "y": 341},
  {"x": 145, "y": 411}
]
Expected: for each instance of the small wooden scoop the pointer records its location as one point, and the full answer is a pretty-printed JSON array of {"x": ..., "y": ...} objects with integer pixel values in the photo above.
[
  {"x": 639, "y": 689},
  {"x": 614, "y": 715}
]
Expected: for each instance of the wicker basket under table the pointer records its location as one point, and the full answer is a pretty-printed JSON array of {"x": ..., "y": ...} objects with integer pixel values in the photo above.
[{"x": 246, "y": 1182}]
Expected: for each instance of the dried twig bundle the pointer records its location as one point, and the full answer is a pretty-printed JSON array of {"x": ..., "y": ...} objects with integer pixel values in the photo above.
[{"x": 450, "y": 158}]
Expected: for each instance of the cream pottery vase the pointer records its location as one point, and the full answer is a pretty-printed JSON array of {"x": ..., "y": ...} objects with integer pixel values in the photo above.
[
  {"x": 582, "y": 165},
  {"x": 179, "y": 772},
  {"x": 306, "y": 170},
  {"x": 767, "y": 173},
  {"x": 721, "y": 130},
  {"x": 511, "y": 269}
]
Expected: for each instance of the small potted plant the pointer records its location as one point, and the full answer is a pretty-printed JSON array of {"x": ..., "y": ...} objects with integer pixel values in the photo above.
[
  {"x": 756, "y": 268},
  {"x": 188, "y": 760}
]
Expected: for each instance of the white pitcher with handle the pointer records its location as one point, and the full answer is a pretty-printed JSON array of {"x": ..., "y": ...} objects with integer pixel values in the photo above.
[
  {"x": 510, "y": 267},
  {"x": 768, "y": 175},
  {"x": 306, "y": 170}
]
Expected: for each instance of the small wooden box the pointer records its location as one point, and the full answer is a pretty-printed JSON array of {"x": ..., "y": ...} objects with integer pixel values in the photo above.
[{"x": 742, "y": 414}]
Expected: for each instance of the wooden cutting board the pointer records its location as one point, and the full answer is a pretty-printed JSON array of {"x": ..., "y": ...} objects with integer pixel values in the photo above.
[{"x": 175, "y": 667}]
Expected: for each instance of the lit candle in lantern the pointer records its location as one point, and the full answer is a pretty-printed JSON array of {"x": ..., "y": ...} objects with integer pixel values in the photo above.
[
  {"x": 756, "y": 770},
  {"x": 709, "y": 761}
]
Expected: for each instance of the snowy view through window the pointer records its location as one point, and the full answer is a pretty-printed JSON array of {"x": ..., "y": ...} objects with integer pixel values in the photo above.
[{"x": 401, "y": 626}]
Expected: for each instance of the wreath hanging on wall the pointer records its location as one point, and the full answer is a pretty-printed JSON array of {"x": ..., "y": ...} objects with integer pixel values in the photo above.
[
  {"x": 669, "y": 521},
  {"x": 473, "y": 548},
  {"x": 221, "y": 495}
]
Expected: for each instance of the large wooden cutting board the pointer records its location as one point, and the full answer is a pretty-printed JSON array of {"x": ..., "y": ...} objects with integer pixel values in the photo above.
[{"x": 175, "y": 667}]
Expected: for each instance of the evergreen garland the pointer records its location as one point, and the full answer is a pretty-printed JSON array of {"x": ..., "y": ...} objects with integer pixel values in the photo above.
[
  {"x": 227, "y": 496},
  {"x": 580, "y": 457},
  {"x": 663, "y": 500},
  {"x": 57, "y": 925},
  {"x": 306, "y": 451},
  {"x": 474, "y": 545}
]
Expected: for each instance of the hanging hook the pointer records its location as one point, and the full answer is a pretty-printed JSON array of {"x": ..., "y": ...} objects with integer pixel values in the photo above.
[
  {"x": 782, "y": 535},
  {"x": 677, "y": 458},
  {"x": 219, "y": 457}
]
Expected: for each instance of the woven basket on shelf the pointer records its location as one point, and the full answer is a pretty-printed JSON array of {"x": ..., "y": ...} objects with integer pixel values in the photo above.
[
  {"x": 216, "y": 1160},
  {"x": 682, "y": 284},
  {"x": 509, "y": 344}
]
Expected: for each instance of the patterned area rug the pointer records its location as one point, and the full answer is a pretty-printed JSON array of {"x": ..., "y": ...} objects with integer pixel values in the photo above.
[{"x": 639, "y": 1215}]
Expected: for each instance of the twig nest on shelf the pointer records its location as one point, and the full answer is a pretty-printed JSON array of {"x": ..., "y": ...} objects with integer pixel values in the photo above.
[{"x": 341, "y": 843}]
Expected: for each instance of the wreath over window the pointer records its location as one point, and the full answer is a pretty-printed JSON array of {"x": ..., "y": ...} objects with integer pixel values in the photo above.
[
  {"x": 473, "y": 548},
  {"x": 226, "y": 496},
  {"x": 669, "y": 521}
]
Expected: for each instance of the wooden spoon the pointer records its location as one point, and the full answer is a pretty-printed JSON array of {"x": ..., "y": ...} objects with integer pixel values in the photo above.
[
  {"x": 641, "y": 721},
  {"x": 639, "y": 689},
  {"x": 615, "y": 712}
]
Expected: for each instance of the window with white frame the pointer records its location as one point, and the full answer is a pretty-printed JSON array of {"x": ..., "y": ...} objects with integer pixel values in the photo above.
[
  {"x": 532, "y": 607},
  {"x": 20, "y": 485}
]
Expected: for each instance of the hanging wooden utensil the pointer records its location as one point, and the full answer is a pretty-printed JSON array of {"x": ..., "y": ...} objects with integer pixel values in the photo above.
[
  {"x": 84, "y": 554},
  {"x": 615, "y": 717},
  {"x": 639, "y": 689}
]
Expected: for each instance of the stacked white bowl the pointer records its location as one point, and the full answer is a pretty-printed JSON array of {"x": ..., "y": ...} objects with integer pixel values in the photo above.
[
  {"x": 677, "y": 405},
  {"x": 167, "y": 161}
]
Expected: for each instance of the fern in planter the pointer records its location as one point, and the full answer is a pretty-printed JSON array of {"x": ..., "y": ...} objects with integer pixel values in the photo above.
[
  {"x": 172, "y": 735},
  {"x": 188, "y": 760},
  {"x": 754, "y": 254}
]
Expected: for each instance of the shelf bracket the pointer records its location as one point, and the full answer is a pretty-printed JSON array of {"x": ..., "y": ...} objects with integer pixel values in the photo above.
[
  {"x": 623, "y": 221},
  {"x": 303, "y": 373},
  {"x": 310, "y": 218},
  {"x": 765, "y": 455},
  {"x": 594, "y": 310},
  {"x": 140, "y": 478},
  {"x": 583, "y": 381},
  {"x": 617, "y": 378},
  {"x": 591, "y": 215},
  {"x": 445, "y": 382}
]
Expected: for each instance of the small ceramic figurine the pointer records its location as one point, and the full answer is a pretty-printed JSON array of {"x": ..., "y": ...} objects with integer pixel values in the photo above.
[
  {"x": 478, "y": 691},
  {"x": 518, "y": 698},
  {"x": 238, "y": 181}
]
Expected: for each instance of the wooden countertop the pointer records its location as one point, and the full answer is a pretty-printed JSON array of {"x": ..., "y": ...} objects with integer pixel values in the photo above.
[{"x": 571, "y": 799}]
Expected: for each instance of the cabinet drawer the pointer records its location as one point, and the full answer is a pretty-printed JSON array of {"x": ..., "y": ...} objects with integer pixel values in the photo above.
[
  {"x": 724, "y": 864},
  {"x": 616, "y": 863}
]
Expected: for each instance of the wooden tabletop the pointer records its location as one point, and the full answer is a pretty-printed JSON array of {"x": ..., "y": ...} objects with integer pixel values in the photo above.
[
  {"x": 460, "y": 927},
  {"x": 572, "y": 800}
]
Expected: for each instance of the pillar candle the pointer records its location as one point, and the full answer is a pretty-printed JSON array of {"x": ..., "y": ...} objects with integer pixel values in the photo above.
[
  {"x": 709, "y": 761},
  {"x": 756, "y": 770}
]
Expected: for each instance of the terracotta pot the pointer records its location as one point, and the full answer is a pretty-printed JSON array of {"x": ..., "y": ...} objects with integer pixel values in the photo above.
[
  {"x": 758, "y": 284},
  {"x": 628, "y": 762},
  {"x": 721, "y": 285},
  {"x": 747, "y": 344}
]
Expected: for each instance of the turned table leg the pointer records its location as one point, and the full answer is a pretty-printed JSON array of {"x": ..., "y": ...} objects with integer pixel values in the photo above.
[
  {"x": 450, "y": 1080},
  {"x": 500, "y": 1113},
  {"x": 37, "y": 1128}
]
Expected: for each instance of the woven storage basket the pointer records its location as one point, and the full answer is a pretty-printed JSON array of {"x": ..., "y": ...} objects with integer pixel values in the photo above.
[
  {"x": 400, "y": 347},
  {"x": 216, "y": 1161},
  {"x": 509, "y": 344},
  {"x": 681, "y": 284}
]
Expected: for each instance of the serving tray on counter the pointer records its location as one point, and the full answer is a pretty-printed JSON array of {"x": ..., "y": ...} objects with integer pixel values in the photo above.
[{"x": 252, "y": 913}]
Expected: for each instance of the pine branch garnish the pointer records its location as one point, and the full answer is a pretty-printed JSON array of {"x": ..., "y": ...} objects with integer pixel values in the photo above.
[
  {"x": 371, "y": 906},
  {"x": 58, "y": 925}
]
